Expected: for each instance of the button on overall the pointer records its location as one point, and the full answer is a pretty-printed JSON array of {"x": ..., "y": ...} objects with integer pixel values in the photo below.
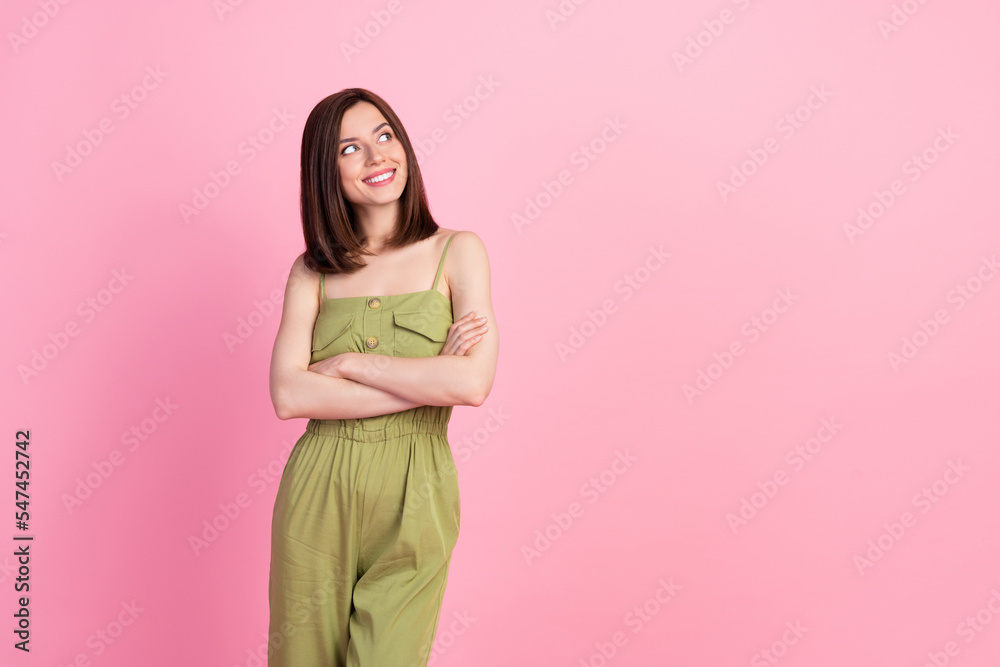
[{"x": 367, "y": 512}]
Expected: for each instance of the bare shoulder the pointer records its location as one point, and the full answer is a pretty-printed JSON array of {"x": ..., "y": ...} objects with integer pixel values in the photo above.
[
  {"x": 466, "y": 244},
  {"x": 299, "y": 266},
  {"x": 301, "y": 272},
  {"x": 467, "y": 262},
  {"x": 302, "y": 279}
]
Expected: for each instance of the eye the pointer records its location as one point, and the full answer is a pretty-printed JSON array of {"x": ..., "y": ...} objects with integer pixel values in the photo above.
[{"x": 352, "y": 148}]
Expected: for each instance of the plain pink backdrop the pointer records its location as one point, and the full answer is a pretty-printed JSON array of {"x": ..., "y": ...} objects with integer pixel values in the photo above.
[{"x": 717, "y": 543}]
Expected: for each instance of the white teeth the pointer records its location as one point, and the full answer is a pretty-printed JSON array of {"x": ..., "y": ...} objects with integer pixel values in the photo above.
[{"x": 378, "y": 179}]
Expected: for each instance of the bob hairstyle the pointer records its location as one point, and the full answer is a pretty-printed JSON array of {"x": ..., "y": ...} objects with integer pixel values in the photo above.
[{"x": 334, "y": 243}]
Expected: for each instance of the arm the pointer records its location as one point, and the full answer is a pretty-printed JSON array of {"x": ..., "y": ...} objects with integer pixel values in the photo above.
[
  {"x": 446, "y": 379},
  {"x": 297, "y": 392}
]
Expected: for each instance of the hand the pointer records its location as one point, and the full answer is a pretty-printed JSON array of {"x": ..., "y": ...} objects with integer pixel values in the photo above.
[
  {"x": 463, "y": 334},
  {"x": 332, "y": 366}
]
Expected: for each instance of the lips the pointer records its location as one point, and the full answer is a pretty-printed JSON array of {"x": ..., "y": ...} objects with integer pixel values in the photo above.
[{"x": 374, "y": 179}]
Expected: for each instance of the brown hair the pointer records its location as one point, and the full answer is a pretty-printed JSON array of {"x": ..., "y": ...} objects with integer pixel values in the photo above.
[{"x": 334, "y": 243}]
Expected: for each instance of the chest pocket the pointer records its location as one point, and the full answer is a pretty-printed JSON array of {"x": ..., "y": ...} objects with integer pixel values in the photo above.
[
  {"x": 330, "y": 328},
  {"x": 419, "y": 333}
]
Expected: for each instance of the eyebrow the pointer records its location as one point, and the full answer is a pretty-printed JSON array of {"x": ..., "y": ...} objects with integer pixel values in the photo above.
[{"x": 350, "y": 139}]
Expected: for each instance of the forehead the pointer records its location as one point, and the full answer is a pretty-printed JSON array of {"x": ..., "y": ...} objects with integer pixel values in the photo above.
[{"x": 362, "y": 117}]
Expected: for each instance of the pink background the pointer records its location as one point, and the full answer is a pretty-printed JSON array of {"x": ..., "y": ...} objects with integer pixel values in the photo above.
[{"x": 650, "y": 563}]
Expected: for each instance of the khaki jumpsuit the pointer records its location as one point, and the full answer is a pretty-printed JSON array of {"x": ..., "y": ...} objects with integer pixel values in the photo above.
[{"x": 367, "y": 510}]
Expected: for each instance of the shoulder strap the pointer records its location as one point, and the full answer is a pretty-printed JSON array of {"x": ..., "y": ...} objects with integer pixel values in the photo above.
[
  {"x": 322, "y": 286},
  {"x": 441, "y": 263}
]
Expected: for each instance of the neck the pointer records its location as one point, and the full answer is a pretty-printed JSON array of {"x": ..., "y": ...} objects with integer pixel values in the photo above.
[{"x": 377, "y": 223}]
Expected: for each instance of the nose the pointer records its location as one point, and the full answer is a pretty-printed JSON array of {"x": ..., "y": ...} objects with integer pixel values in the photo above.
[{"x": 375, "y": 156}]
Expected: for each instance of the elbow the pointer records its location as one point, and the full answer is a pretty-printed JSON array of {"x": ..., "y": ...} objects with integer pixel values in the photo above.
[
  {"x": 478, "y": 396},
  {"x": 283, "y": 410}
]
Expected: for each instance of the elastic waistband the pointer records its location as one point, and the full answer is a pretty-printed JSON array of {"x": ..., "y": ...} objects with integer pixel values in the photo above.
[{"x": 374, "y": 429}]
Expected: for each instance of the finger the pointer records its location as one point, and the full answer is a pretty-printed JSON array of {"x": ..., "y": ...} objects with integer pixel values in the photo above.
[
  {"x": 469, "y": 342},
  {"x": 469, "y": 317},
  {"x": 466, "y": 327}
]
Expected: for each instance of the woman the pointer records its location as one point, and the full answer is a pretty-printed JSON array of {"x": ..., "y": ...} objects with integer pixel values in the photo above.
[{"x": 367, "y": 511}]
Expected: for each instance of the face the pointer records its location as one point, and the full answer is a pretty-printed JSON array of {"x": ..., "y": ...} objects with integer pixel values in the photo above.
[{"x": 368, "y": 148}]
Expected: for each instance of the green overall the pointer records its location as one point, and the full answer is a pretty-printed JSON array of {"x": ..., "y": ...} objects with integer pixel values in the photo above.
[{"x": 367, "y": 510}]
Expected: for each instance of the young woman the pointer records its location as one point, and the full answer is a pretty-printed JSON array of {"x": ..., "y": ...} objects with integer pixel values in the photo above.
[{"x": 368, "y": 349}]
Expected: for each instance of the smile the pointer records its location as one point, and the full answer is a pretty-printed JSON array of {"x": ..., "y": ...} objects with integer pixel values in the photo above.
[{"x": 381, "y": 178}]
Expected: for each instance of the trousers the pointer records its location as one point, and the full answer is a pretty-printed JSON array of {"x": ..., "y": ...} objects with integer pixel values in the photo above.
[{"x": 365, "y": 521}]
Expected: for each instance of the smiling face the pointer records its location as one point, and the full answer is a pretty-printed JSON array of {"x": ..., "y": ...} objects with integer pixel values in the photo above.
[{"x": 371, "y": 159}]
